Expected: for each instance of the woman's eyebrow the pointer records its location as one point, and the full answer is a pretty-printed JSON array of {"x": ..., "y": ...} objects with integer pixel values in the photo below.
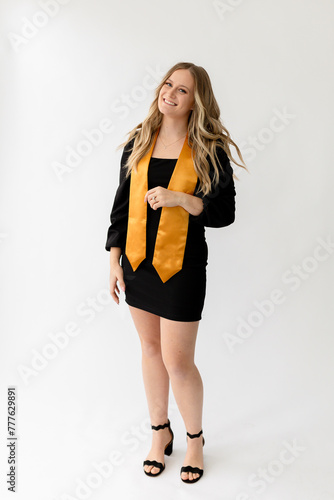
[{"x": 180, "y": 85}]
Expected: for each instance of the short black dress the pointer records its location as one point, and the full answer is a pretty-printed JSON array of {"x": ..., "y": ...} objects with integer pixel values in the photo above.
[{"x": 181, "y": 297}]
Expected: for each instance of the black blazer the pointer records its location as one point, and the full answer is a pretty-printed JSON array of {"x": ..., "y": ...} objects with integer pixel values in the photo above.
[{"x": 218, "y": 211}]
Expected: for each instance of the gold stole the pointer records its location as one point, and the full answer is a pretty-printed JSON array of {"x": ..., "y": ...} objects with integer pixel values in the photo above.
[{"x": 173, "y": 225}]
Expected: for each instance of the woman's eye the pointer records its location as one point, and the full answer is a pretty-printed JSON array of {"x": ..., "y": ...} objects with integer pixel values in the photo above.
[{"x": 168, "y": 83}]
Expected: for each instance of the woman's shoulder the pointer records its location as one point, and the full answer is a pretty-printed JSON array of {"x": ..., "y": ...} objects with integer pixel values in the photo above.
[
  {"x": 220, "y": 151},
  {"x": 127, "y": 150}
]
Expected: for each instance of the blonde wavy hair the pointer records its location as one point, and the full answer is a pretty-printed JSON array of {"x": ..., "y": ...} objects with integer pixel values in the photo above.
[{"x": 206, "y": 131}]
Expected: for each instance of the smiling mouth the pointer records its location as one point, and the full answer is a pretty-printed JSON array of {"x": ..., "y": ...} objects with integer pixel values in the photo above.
[{"x": 170, "y": 103}]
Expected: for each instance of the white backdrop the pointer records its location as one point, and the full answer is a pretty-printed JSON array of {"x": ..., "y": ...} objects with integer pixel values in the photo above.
[{"x": 76, "y": 76}]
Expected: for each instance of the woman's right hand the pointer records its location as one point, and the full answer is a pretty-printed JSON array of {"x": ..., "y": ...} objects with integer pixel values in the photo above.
[{"x": 116, "y": 274}]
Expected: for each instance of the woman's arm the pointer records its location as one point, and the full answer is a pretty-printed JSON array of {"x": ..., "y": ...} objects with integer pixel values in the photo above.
[
  {"x": 216, "y": 209},
  {"x": 168, "y": 198},
  {"x": 116, "y": 274},
  {"x": 116, "y": 236},
  {"x": 193, "y": 204},
  {"x": 219, "y": 203}
]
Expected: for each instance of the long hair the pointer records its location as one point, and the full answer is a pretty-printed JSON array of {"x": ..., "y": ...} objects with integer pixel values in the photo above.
[{"x": 206, "y": 131}]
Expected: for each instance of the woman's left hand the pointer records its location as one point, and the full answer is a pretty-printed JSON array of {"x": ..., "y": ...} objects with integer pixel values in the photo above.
[{"x": 161, "y": 197}]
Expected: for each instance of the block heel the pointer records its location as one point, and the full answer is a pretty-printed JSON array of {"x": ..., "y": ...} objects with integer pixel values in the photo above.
[{"x": 167, "y": 451}]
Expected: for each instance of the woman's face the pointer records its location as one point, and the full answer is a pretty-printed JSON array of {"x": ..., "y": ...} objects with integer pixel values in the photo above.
[{"x": 176, "y": 98}]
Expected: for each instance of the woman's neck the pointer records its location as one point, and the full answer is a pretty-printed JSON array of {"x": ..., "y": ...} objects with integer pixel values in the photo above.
[{"x": 173, "y": 129}]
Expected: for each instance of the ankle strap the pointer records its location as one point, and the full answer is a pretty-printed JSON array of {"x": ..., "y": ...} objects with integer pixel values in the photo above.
[
  {"x": 192, "y": 436},
  {"x": 158, "y": 427}
]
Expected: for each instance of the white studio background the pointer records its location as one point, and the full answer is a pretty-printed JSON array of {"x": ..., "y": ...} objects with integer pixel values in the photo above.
[{"x": 265, "y": 348}]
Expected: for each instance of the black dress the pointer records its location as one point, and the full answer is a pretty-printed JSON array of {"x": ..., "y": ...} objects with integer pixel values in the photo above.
[{"x": 181, "y": 298}]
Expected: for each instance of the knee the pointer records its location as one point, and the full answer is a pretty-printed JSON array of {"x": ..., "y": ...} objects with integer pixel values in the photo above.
[
  {"x": 150, "y": 348},
  {"x": 178, "y": 367}
]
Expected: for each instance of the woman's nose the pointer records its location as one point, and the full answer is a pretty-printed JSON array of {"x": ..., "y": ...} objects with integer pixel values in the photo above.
[{"x": 170, "y": 96}]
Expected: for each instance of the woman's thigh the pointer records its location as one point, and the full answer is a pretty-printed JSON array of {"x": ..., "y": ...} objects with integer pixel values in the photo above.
[
  {"x": 146, "y": 324},
  {"x": 178, "y": 339}
]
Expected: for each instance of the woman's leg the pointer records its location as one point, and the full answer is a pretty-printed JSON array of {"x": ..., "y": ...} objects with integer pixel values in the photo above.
[
  {"x": 178, "y": 340},
  {"x": 156, "y": 381}
]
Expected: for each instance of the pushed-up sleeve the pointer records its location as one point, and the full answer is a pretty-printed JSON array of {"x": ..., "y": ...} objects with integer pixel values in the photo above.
[
  {"x": 116, "y": 236},
  {"x": 219, "y": 204}
]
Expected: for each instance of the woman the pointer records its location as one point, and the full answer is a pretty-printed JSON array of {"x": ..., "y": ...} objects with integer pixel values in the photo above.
[{"x": 170, "y": 188}]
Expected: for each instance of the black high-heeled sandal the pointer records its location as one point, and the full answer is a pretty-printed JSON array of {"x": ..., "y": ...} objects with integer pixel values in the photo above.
[
  {"x": 168, "y": 450},
  {"x": 189, "y": 468}
]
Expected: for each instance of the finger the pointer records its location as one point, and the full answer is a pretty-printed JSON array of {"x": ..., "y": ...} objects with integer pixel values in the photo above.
[
  {"x": 112, "y": 283},
  {"x": 113, "y": 287},
  {"x": 148, "y": 193},
  {"x": 113, "y": 295},
  {"x": 151, "y": 202},
  {"x": 115, "y": 298},
  {"x": 148, "y": 197},
  {"x": 158, "y": 204},
  {"x": 121, "y": 283}
]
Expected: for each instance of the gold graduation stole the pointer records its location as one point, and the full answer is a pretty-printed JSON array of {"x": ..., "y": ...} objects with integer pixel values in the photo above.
[{"x": 173, "y": 225}]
